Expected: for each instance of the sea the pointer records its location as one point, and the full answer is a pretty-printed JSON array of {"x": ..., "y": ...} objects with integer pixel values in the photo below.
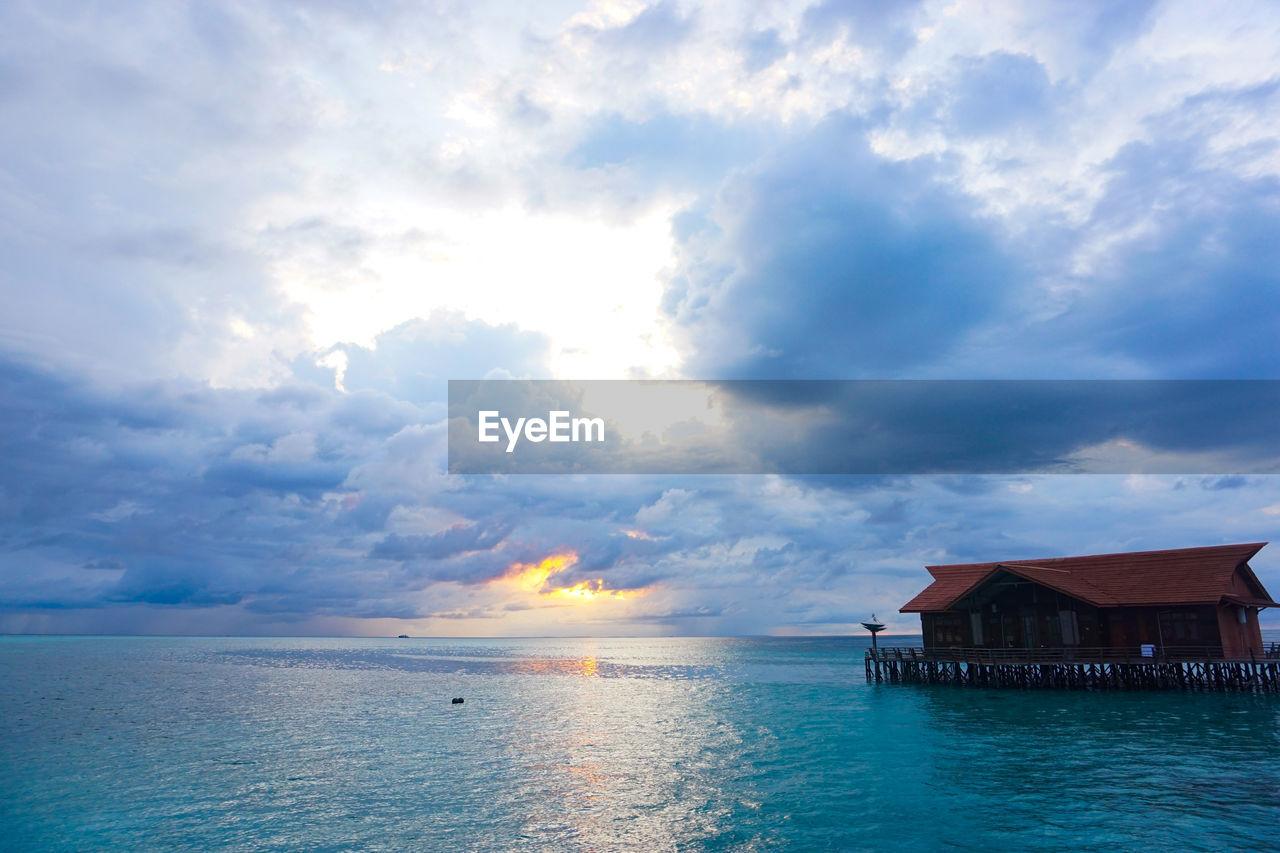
[{"x": 246, "y": 744}]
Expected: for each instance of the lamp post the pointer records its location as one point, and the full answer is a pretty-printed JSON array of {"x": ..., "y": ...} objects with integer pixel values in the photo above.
[{"x": 875, "y": 626}]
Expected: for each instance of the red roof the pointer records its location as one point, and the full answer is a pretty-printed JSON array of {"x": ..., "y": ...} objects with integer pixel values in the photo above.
[{"x": 1175, "y": 577}]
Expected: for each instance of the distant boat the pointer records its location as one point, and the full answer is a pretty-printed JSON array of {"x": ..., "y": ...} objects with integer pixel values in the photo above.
[{"x": 403, "y": 637}]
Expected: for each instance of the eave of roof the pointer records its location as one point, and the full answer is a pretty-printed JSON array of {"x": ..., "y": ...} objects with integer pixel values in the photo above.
[{"x": 1249, "y": 601}]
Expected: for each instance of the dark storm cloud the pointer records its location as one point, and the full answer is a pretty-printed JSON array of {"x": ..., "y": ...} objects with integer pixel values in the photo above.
[
  {"x": 1174, "y": 272},
  {"x": 155, "y": 481},
  {"x": 1197, "y": 292},
  {"x": 236, "y": 478},
  {"x": 826, "y": 260},
  {"x": 455, "y": 540},
  {"x": 1006, "y": 427},
  {"x": 829, "y": 261},
  {"x": 183, "y": 496},
  {"x": 178, "y": 494}
]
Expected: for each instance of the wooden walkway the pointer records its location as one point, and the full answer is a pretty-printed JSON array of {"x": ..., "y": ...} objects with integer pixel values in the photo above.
[{"x": 1075, "y": 669}]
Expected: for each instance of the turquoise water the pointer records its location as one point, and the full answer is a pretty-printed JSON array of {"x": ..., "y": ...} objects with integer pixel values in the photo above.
[{"x": 729, "y": 744}]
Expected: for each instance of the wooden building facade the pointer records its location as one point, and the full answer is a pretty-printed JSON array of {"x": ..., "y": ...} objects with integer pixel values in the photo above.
[{"x": 1188, "y": 602}]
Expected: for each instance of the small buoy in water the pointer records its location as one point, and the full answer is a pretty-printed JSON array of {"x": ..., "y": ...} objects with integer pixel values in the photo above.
[{"x": 457, "y": 700}]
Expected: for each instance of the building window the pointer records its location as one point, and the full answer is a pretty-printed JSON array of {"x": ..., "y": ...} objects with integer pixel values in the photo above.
[
  {"x": 1180, "y": 627},
  {"x": 948, "y": 630}
]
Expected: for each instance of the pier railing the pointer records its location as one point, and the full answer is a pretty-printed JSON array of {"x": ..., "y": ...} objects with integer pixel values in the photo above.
[
  {"x": 1080, "y": 668},
  {"x": 1073, "y": 654}
]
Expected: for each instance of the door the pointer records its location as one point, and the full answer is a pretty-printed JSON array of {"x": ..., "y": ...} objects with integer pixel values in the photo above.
[{"x": 1029, "y": 630}]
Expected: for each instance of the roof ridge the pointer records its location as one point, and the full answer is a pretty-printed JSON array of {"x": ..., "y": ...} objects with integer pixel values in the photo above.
[
  {"x": 1031, "y": 566},
  {"x": 1257, "y": 546}
]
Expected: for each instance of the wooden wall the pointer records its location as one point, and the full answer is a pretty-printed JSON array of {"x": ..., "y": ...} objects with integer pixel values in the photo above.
[
  {"x": 1021, "y": 609},
  {"x": 1238, "y": 640}
]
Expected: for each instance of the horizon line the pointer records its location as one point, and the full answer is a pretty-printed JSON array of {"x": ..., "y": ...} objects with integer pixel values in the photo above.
[{"x": 466, "y": 637}]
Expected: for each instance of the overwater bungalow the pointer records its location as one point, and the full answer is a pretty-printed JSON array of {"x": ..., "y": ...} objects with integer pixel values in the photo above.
[
  {"x": 1146, "y": 618},
  {"x": 1202, "y": 598}
]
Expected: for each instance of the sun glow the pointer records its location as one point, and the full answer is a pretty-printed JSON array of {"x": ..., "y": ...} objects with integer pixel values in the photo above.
[
  {"x": 594, "y": 288},
  {"x": 532, "y": 577},
  {"x": 594, "y": 589},
  {"x": 536, "y": 578}
]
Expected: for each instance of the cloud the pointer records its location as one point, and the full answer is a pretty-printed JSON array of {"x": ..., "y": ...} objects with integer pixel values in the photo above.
[
  {"x": 196, "y": 496},
  {"x": 133, "y": 238},
  {"x": 999, "y": 93},
  {"x": 762, "y": 49},
  {"x": 828, "y": 261},
  {"x": 112, "y": 501},
  {"x": 455, "y": 540},
  {"x": 664, "y": 150},
  {"x": 1190, "y": 290},
  {"x": 654, "y": 30},
  {"x": 414, "y": 360},
  {"x": 884, "y": 26}
]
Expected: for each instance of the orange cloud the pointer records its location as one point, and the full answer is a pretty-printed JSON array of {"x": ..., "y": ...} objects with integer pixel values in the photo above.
[{"x": 536, "y": 578}]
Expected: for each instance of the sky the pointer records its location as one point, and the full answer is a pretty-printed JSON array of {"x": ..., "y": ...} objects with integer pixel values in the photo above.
[{"x": 245, "y": 245}]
